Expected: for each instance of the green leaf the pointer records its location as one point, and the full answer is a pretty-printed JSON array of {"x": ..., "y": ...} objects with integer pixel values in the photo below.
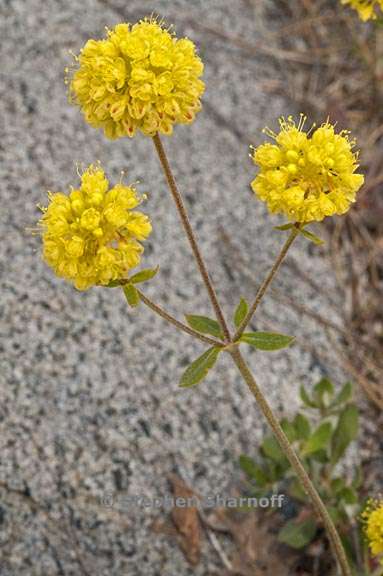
[
  {"x": 312, "y": 237},
  {"x": 204, "y": 325},
  {"x": 240, "y": 312},
  {"x": 131, "y": 295},
  {"x": 346, "y": 431},
  {"x": 306, "y": 398},
  {"x": 289, "y": 429},
  {"x": 298, "y": 535},
  {"x": 276, "y": 471},
  {"x": 113, "y": 284},
  {"x": 247, "y": 464},
  {"x": 348, "y": 495},
  {"x": 323, "y": 391},
  {"x": 335, "y": 514},
  {"x": 319, "y": 439},
  {"x": 320, "y": 456},
  {"x": 302, "y": 426},
  {"x": 284, "y": 227},
  {"x": 344, "y": 395},
  {"x": 296, "y": 491},
  {"x": 358, "y": 478},
  {"x": 144, "y": 275},
  {"x": 253, "y": 470},
  {"x": 198, "y": 369},
  {"x": 337, "y": 484},
  {"x": 267, "y": 340},
  {"x": 272, "y": 450}
]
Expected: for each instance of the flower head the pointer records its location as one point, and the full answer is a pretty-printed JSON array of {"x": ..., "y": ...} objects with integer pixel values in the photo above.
[
  {"x": 367, "y": 9},
  {"x": 91, "y": 236},
  {"x": 372, "y": 518},
  {"x": 307, "y": 176},
  {"x": 139, "y": 77}
]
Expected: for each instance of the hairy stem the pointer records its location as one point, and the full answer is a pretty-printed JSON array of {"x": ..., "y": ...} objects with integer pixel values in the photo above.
[
  {"x": 266, "y": 283},
  {"x": 294, "y": 460},
  {"x": 190, "y": 234},
  {"x": 180, "y": 325}
]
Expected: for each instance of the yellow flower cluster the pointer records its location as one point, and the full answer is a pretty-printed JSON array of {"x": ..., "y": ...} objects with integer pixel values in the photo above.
[
  {"x": 373, "y": 525},
  {"x": 91, "y": 236},
  {"x": 138, "y": 78},
  {"x": 367, "y": 9},
  {"x": 307, "y": 176}
]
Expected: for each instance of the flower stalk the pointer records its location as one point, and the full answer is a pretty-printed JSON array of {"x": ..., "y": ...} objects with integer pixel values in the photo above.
[
  {"x": 267, "y": 281},
  {"x": 190, "y": 234}
]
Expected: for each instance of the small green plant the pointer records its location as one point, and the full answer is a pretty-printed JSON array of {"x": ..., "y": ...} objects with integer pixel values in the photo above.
[{"x": 321, "y": 434}]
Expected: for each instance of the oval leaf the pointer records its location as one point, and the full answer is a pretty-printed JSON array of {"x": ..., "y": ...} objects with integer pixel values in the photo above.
[
  {"x": 319, "y": 439},
  {"x": 198, "y": 369},
  {"x": 289, "y": 429},
  {"x": 267, "y": 340},
  {"x": 323, "y": 391},
  {"x": 298, "y": 535},
  {"x": 345, "y": 432},
  {"x": 272, "y": 450},
  {"x": 240, "y": 312},
  {"x": 144, "y": 275},
  {"x": 204, "y": 325},
  {"x": 131, "y": 295},
  {"x": 302, "y": 426},
  {"x": 306, "y": 398},
  {"x": 252, "y": 470},
  {"x": 344, "y": 395}
]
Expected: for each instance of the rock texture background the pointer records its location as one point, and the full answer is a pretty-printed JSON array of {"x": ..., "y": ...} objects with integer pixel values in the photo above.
[{"x": 89, "y": 404}]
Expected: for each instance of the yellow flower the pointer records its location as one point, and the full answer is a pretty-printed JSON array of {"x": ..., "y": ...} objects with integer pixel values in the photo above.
[
  {"x": 91, "y": 236},
  {"x": 373, "y": 526},
  {"x": 140, "y": 77},
  {"x": 367, "y": 9},
  {"x": 307, "y": 176}
]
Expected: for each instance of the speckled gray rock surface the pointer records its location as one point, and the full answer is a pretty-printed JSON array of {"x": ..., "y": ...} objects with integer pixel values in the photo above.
[{"x": 89, "y": 404}]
